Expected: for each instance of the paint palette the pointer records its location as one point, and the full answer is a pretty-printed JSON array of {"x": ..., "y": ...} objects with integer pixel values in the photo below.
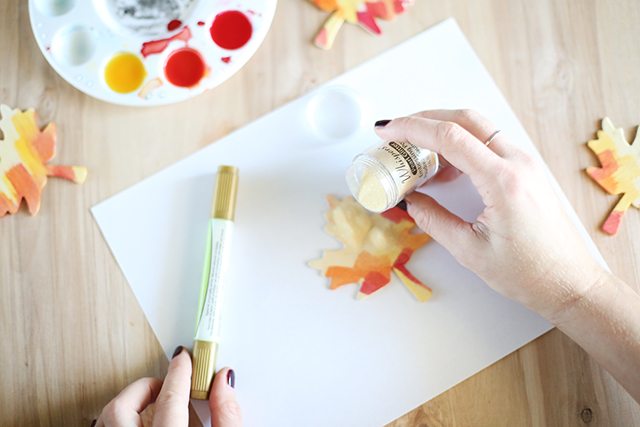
[{"x": 148, "y": 52}]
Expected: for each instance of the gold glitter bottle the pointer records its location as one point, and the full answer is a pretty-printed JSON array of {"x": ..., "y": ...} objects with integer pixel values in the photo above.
[{"x": 380, "y": 177}]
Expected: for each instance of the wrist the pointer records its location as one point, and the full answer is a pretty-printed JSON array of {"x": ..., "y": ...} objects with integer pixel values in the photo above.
[{"x": 574, "y": 291}]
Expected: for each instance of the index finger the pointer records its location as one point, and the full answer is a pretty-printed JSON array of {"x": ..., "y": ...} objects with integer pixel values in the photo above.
[
  {"x": 452, "y": 141},
  {"x": 172, "y": 405},
  {"x": 125, "y": 408},
  {"x": 476, "y": 124}
]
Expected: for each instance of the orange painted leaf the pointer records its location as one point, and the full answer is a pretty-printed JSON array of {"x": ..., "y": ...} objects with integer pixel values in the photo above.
[
  {"x": 361, "y": 12},
  {"x": 25, "y": 151},
  {"x": 374, "y": 246}
]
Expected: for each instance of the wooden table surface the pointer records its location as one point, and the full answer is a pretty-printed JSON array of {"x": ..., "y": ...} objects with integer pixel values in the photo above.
[{"x": 72, "y": 332}]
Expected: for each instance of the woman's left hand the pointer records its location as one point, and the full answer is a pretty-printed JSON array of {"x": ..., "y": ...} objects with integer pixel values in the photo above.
[{"x": 171, "y": 398}]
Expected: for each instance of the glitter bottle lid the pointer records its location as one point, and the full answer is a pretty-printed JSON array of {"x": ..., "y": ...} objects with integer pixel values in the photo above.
[{"x": 371, "y": 184}]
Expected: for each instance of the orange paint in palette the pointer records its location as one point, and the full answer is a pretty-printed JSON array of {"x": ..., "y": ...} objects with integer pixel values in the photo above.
[
  {"x": 185, "y": 67},
  {"x": 124, "y": 72}
]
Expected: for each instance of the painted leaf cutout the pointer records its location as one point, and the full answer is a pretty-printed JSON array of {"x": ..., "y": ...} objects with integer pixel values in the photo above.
[
  {"x": 619, "y": 173},
  {"x": 25, "y": 151},
  {"x": 374, "y": 247},
  {"x": 361, "y": 12}
]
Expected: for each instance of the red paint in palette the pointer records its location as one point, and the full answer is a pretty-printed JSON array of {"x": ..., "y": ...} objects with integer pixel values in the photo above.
[
  {"x": 200, "y": 23},
  {"x": 231, "y": 30},
  {"x": 185, "y": 67},
  {"x": 174, "y": 24}
]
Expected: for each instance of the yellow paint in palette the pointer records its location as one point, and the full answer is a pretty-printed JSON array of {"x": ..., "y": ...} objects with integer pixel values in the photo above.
[{"x": 124, "y": 72}]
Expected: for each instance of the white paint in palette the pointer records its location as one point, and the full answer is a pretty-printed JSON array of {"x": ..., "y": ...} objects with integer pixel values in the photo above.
[
  {"x": 54, "y": 7},
  {"x": 73, "y": 46}
]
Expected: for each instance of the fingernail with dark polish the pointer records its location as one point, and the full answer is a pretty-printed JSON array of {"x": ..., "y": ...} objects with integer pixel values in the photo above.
[
  {"x": 382, "y": 123},
  {"x": 177, "y": 351},
  {"x": 93, "y": 423},
  {"x": 402, "y": 205},
  {"x": 231, "y": 378}
]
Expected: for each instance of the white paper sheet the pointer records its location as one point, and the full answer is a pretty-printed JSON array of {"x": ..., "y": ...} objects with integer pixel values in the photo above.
[{"x": 306, "y": 355}]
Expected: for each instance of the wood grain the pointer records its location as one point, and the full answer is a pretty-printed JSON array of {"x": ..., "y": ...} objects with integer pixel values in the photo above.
[{"x": 73, "y": 334}]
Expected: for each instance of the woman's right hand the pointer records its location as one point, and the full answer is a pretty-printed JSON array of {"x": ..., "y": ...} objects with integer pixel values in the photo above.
[{"x": 523, "y": 244}]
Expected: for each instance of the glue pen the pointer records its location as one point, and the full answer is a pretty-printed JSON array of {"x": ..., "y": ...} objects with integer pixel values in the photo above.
[{"x": 207, "y": 339}]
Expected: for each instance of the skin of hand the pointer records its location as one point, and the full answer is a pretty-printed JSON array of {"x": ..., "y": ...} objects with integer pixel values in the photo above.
[
  {"x": 523, "y": 244},
  {"x": 171, "y": 398}
]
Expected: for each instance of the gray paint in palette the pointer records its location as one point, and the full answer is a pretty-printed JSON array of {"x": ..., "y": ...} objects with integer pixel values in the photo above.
[{"x": 148, "y": 17}]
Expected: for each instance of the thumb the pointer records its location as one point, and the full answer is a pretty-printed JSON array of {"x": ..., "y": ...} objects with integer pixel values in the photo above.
[
  {"x": 225, "y": 411},
  {"x": 446, "y": 228}
]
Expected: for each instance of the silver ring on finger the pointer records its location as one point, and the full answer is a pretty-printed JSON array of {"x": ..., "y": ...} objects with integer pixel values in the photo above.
[{"x": 491, "y": 138}]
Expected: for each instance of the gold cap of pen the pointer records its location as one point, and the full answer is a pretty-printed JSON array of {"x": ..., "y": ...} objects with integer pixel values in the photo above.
[
  {"x": 204, "y": 367},
  {"x": 224, "y": 198}
]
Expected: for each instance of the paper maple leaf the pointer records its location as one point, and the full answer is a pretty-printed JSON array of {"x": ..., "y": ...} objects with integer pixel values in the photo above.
[
  {"x": 374, "y": 245},
  {"x": 620, "y": 171},
  {"x": 362, "y": 12},
  {"x": 24, "y": 154}
]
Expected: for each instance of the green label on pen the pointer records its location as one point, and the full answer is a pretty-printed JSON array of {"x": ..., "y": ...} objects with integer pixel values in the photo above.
[{"x": 220, "y": 232}]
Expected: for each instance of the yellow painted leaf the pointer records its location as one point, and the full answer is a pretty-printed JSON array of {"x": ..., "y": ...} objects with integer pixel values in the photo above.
[{"x": 619, "y": 173}]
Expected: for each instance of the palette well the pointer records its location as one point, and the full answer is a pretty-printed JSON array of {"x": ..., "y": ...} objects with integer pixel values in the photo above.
[{"x": 144, "y": 53}]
